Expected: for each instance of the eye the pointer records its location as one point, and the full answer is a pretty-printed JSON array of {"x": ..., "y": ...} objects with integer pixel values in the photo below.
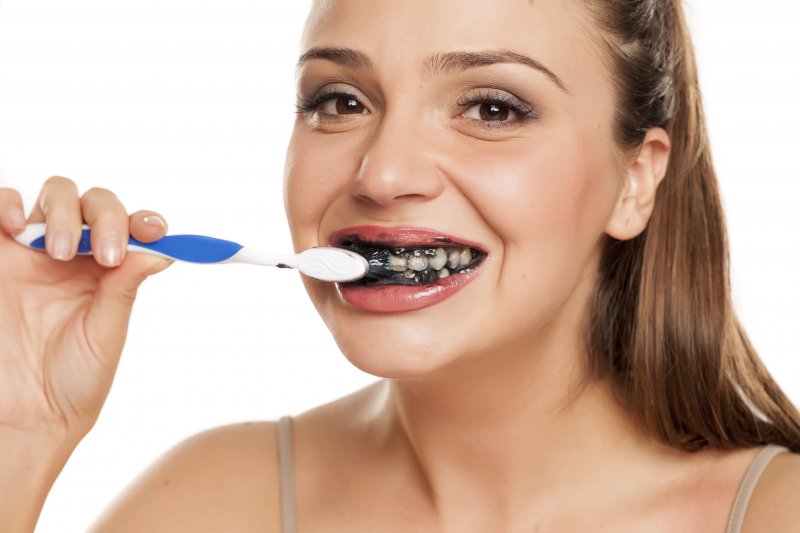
[
  {"x": 489, "y": 111},
  {"x": 341, "y": 104},
  {"x": 333, "y": 102},
  {"x": 495, "y": 108}
]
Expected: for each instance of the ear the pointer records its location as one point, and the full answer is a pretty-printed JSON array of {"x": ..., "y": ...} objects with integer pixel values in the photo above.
[{"x": 637, "y": 198}]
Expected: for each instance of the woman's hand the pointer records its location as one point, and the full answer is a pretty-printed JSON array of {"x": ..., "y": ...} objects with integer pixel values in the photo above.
[{"x": 63, "y": 319}]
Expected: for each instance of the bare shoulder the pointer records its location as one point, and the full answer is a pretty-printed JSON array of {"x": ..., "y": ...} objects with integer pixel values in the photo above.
[
  {"x": 774, "y": 504},
  {"x": 224, "y": 479}
]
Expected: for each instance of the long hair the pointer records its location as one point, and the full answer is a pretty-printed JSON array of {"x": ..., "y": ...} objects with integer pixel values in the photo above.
[{"x": 662, "y": 327}]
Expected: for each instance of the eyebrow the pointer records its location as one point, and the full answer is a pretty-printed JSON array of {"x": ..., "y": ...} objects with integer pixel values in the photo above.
[
  {"x": 347, "y": 57},
  {"x": 450, "y": 62},
  {"x": 441, "y": 63}
]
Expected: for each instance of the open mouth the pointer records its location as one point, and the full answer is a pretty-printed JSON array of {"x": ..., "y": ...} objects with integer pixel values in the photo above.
[{"x": 407, "y": 265}]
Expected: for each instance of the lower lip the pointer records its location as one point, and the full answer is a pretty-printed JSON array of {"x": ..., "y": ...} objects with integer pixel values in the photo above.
[{"x": 399, "y": 298}]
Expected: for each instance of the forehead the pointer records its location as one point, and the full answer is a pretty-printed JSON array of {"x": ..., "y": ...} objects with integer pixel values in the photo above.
[{"x": 407, "y": 33}]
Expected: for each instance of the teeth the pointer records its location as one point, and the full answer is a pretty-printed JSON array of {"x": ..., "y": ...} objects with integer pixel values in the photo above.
[
  {"x": 415, "y": 265},
  {"x": 465, "y": 257},
  {"x": 398, "y": 264},
  {"x": 438, "y": 260},
  {"x": 453, "y": 259},
  {"x": 417, "y": 261}
]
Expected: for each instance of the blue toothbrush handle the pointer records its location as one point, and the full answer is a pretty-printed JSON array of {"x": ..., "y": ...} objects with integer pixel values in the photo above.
[{"x": 189, "y": 248}]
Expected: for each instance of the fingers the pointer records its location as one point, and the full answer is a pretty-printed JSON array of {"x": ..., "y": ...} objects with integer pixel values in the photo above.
[
  {"x": 59, "y": 206},
  {"x": 12, "y": 217},
  {"x": 106, "y": 215},
  {"x": 147, "y": 226},
  {"x": 117, "y": 289},
  {"x": 64, "y": 212}
]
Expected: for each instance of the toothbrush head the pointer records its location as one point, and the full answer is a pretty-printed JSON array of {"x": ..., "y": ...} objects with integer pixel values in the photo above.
[
  {"x": 332, "y": 264},
  {"x": 378, "y": 260}
]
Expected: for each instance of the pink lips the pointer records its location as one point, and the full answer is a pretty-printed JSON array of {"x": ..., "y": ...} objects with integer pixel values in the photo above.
[{"x": 399, "y": 298}]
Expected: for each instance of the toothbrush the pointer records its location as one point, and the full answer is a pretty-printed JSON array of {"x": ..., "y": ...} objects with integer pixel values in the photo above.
[{"x": 322, "y": 263}]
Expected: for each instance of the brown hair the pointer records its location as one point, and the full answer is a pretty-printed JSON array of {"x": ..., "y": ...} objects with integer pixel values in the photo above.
[{"x": 662, "y": 327}]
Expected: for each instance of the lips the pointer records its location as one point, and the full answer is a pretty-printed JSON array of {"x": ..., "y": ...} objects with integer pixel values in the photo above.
[
  {"x": 400, "y": 237},
  {"x": 400, "y": 298}
]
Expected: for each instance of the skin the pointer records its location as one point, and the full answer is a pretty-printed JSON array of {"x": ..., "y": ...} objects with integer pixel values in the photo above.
[{"x": 484, "y": 422}]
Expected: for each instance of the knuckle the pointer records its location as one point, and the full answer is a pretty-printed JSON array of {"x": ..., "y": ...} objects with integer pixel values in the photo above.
[
  {"x": 57, "y": 213},
  {"x": 8, "y": 195},
  {"x": 99, "y": 203},
  {"x": 61, "y": 182},
  {"x": 98, "y": 199},
  {"x": 98, "y": 191}
]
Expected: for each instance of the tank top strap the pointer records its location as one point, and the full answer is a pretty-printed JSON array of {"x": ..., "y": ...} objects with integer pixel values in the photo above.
[
  {"x": 748, "y": 485},
  {"x": 286, "y": 463}
]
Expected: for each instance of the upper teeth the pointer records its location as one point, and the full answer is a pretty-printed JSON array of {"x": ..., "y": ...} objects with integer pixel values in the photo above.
[
  {"x": 417, "y": 261},
  {"x": 397, "y": 263},
  {"x": 413, "y": 265},
  {"x": 453, "y": 259},
  {"x": 438, "y": 260},
  {"x": 421, "y": 263}
]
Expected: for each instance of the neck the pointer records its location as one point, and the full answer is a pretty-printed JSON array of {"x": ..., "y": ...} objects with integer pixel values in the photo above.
[{"x": 507, "y": 431}]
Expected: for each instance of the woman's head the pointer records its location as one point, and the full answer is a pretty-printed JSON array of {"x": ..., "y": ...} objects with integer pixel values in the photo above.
[
  {"x": 491, "y": 122},
  {"x": 536, "y": 133}
]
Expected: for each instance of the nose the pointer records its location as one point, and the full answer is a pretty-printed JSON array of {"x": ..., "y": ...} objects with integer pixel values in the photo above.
[{"x": 398, "y": 165}]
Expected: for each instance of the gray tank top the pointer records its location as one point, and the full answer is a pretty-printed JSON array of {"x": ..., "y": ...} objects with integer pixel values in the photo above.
[{"x": 286, "y": 462}]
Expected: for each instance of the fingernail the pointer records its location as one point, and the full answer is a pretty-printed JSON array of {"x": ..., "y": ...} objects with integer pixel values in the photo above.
[
  {"x": 155, "y": 221},
  {"x": 17, "y": 217},
  {"x": 62, "y": 245},
  {"x": 111, "y": 249}
]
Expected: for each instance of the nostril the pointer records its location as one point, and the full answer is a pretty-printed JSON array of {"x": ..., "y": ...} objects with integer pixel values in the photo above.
[
  {"x": 398, "y": 198},
  {"x": 410, "y": 197},
  {"x": 386, "y": 179}
]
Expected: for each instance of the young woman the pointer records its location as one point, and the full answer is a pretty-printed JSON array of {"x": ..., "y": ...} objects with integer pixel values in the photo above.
[{"x": 575, "y": 366}]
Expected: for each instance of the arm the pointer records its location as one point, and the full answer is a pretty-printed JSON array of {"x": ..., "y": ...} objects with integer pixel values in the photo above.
[
  {"x": 775, "y": 504},
  {"x": 226, "y": 479},
  {"x": 28, "y": 468}
]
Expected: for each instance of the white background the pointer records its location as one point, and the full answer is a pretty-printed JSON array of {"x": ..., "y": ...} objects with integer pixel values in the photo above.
[{"x": 185, "y": 106}]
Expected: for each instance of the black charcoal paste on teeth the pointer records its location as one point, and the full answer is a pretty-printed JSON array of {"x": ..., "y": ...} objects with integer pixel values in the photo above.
[{"x": 378, "y": 259}]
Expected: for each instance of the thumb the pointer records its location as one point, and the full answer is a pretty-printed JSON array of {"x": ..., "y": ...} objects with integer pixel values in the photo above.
[{"x": 107, "y": 319}]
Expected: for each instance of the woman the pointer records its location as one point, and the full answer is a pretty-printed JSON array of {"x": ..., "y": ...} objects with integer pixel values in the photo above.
[{"x": 584, "y": 373}]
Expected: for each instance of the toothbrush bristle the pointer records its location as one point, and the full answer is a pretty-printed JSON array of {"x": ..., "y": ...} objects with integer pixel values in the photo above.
[{"x": 377, "y": 259}]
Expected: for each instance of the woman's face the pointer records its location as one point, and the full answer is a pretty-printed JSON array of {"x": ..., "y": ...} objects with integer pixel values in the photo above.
[{"x": 485, "y": 122}]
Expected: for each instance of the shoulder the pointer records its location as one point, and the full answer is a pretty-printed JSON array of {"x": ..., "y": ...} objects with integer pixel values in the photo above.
[
  {"x": 224, "y": 479},
  {"x": 774, "y": 504}
]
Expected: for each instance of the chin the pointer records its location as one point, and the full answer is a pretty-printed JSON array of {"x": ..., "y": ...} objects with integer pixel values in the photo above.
[
  {"x": 400, "y": 345},
  {"x": 396, "y": 346}
]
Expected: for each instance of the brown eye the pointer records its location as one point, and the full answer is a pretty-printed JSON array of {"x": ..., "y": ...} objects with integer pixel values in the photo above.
[
  {"x": 342, "y": 104},
  {"x": 493, "y": 112},
  {"x": 348, "y": 106}
]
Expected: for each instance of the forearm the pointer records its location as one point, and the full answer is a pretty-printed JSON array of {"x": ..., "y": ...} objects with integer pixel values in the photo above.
[{"x": 28, "y": 468}]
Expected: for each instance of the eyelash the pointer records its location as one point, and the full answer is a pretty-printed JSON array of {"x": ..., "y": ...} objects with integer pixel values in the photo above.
[
  {"x": 309, "y": 105},
  {"x": 523, "y": 112}
]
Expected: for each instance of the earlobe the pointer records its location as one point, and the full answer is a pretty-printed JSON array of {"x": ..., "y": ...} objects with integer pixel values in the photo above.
[{"x": 642, "y": 176}]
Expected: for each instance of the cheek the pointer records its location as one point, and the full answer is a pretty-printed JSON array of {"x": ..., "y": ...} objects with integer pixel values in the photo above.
[
  {"x": 548, "y": 200},
  {"x": 318, "y": 169},
  {"x": 524, "y": 190}
]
